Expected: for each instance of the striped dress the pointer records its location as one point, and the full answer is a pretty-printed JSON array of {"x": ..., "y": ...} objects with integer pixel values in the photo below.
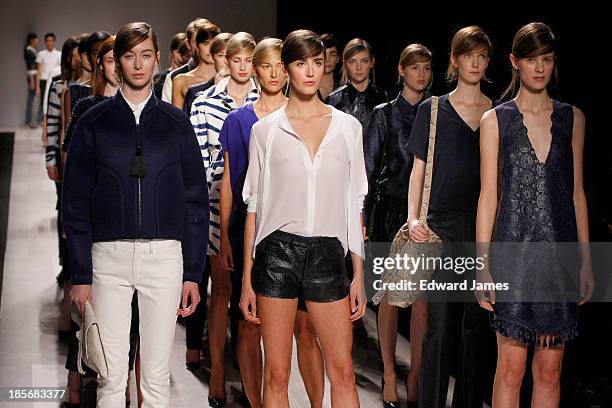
[
  {"x": 208, "y": 113},
  {"x": 54, "y": 123}
]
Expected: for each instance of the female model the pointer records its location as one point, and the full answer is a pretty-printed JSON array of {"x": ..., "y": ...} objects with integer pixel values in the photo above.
[
  {"x": 217, "y": 49},
  {"x": 234, "y": 140},
  {"x": 205, "y": 70},
  {"x": 358, "y": 96},
  {"x": 304, "y": 191},
  {"x": 332, "y": 57},
  {"x": 388, "y": 165},
  {"x": 452, "y": 215},
  {"x": 135, "y": 214},
  {"x": 534, "y": 144},
  {"x": 208, "y": 114}
]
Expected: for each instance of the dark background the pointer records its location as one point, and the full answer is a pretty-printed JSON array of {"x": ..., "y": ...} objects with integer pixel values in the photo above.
[
  {"x": 582, "y": 33},
  {"x": 579, "y": 27}
]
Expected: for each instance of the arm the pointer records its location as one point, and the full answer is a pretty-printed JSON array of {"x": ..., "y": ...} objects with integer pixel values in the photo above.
[
  {"x": 178, "y": 98},
  {"x": 66, "y": 112},
  {"x": 195, "y": 228},
  {"x": 78, "y": 187},
  {"x": 38, "y": 78},
  {"x": 225, "y": 209},
  {"x": 52, "y": 143},
  {"x": 582, "y": 218},
  {"x": 418, "y": 144},
  {"x": 248, "y": 300},
  {"x": 359, "y": 178},
  {"x": 487, "y": 203}
]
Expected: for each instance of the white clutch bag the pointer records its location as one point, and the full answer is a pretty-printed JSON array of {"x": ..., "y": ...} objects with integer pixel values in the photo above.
[{"x": 91, "y": 350}]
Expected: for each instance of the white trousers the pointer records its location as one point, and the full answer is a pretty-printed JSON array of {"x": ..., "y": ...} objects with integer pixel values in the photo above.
[{"x": 154, "y": 269}]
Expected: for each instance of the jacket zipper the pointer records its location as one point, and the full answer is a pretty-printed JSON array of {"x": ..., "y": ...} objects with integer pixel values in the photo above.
[{"x": 139, "y": 181}]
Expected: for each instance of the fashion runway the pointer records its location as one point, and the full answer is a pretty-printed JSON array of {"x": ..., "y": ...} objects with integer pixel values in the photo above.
[{"x": 31, "y": 354}]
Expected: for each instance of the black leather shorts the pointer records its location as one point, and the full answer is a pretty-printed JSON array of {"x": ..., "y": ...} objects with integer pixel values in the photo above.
[{"x": 288, "y": 266}]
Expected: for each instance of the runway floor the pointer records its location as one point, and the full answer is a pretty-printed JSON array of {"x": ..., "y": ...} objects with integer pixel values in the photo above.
[{"x": 30, "y": 352}]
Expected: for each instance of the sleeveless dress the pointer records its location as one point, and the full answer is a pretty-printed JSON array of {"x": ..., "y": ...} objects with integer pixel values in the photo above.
[{"x": 535, "y": 206}]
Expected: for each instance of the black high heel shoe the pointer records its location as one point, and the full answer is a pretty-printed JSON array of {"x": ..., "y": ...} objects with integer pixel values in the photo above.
[
  {"x": 217, "y": 402},
  {"x": 387, "y": 404}
]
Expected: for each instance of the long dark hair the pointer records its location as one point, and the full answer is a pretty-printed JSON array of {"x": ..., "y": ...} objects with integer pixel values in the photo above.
[
  {"x": 532, "y": 40},
  {"x": 66, "y": 60},
  {"x": 29, "y": 38}
]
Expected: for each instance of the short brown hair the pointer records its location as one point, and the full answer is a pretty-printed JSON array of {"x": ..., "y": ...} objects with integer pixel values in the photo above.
[
  {"x": 132, "y": 34},
  {"x": 413, "y": 54},
  {"x": 466, "y": 40},
  {"x": 240, "y": 42},
  {"x": 192, "y": 27},
  {"x": 98, "y": 81},
  {"x": 207, "y": 32},
  {"x": 301, "y": 44}
]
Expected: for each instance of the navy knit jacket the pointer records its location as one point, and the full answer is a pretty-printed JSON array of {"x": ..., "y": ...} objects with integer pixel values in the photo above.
[{"x": 102, "y": 201}]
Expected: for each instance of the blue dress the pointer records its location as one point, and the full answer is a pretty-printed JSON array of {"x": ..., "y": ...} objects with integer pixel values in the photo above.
[{"x": 536, "y": 213}]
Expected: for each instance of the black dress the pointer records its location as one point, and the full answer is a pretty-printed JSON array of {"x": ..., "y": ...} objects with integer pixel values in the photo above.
[{"x": 535, "y": 206}]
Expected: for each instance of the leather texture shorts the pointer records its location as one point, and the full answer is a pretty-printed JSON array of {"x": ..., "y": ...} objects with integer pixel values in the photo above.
[{"x": 289, "y": 266}]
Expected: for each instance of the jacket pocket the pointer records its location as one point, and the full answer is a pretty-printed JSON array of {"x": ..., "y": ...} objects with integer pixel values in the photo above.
[{"x": 108, "y": 213}]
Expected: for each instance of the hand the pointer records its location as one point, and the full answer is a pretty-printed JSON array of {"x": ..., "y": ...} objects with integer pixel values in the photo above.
[
  {"x": 225, "y": 255},
  {"x": 53, "y": 173},
  {"x": 79, "y": 295},
  {"x": 190, "y": 299},
  {"x": 587, "y": 284},
  {"x": 358, "y": 300},
  {"x": 38, "y": 91},
  {"x": 31, "y": 83},
  {"x": 485, "y": 298},
  {"x": 417, "y": 231},
  {"x": 248, "y": 303}
]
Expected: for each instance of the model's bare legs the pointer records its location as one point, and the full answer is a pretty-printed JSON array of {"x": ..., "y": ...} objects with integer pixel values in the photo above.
[
  {"x": 250, "y": 360},
  {"x": 546, "y": 369},
  {"x": 277, "y": 321},
  {"x": 335, "y": 331},
  {"x": 217, "y": 326},
  {"x": 310, "y": 359},
  {"x": 418, "y": 327},
  {"x": 387, "y": 337},
  {"x": 511, "y": 358}
]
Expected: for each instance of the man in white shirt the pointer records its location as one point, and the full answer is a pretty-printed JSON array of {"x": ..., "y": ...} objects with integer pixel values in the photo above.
[{"x": 46, "y": 61}]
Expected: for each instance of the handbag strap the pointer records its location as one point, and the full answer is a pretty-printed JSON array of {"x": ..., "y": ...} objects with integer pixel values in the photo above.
[{"x": 430, "y": 158}]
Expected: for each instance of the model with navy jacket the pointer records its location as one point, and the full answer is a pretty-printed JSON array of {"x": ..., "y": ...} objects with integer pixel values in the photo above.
[{"x": 135, "y": 212}]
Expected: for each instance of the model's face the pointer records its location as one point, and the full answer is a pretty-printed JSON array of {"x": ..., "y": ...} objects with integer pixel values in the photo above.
[
  {"x": 50, "y": 43},
  {"x": 270, "y": 74},
  {"x": 204, "y": 52},
  {"x": 331, "y": 59},
  {"x": 34, "y": 42},
  {"x": 471, "y": 66},
  {"x": 220, "y": 61},
  {"x": 85, "y": 63},
  {"x": 535, "y": 72},
  {"x": 358, "y": 67},
  {"x": 240, "y": 66},
  {"x": 305, "y": 75},
  {"x": 108, "y": 67},
  {"x": 416, "y": 76},
  {"x": 138, "y": 64}
]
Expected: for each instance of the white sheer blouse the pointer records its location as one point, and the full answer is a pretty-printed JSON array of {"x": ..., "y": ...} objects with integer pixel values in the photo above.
[{"x": 291, "y": 193}]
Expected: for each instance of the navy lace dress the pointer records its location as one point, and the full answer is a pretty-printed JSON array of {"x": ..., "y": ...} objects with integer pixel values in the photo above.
[{"x": 536, "y": 206}]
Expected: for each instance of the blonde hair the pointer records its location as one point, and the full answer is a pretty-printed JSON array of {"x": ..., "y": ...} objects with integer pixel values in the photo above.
[
  {"x": 413, "y": 54},
  {"x": 265, "y": 48},
  {"x": 238, "y": 43}
]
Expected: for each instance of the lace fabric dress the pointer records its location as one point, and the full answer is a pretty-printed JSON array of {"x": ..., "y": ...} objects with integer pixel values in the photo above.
[{"x": 536, "y": 213}]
